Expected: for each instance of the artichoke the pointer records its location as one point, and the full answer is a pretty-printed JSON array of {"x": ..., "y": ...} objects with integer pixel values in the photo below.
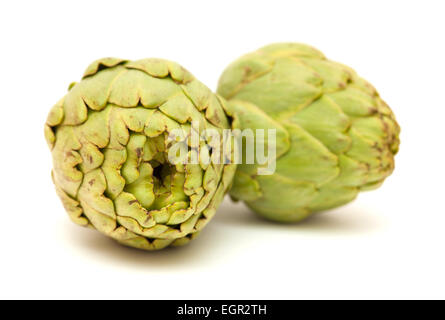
[
  {"x": 335, "y": 136},
  {"x": 110, "y": 137}
]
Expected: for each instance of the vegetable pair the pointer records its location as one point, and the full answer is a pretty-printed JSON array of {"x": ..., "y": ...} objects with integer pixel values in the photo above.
[{"x": 115, "y": 133}]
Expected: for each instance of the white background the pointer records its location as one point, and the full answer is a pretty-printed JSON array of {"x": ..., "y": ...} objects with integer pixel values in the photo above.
[{"x": 388, "y": 243}]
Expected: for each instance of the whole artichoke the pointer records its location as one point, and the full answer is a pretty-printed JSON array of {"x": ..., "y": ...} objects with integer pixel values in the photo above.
[
  {"x": 110, "y": 137},
  {"x": 335, "y": 135}
]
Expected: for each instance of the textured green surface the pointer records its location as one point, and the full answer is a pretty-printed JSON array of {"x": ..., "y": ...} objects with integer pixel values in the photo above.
[
  {"x": 108, "y": 138},
  {"x": 335, "y": 135}
]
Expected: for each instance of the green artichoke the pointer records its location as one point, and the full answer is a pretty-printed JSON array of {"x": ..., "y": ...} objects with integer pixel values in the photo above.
[
  {"x": 335, "y": 136},
  {"x": 110, "y": 137}
]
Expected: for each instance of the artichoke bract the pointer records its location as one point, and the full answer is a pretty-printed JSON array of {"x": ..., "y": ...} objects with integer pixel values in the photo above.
[
  {"x": 335, "y": 136},
  {"x": 110, "y": 139}
]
